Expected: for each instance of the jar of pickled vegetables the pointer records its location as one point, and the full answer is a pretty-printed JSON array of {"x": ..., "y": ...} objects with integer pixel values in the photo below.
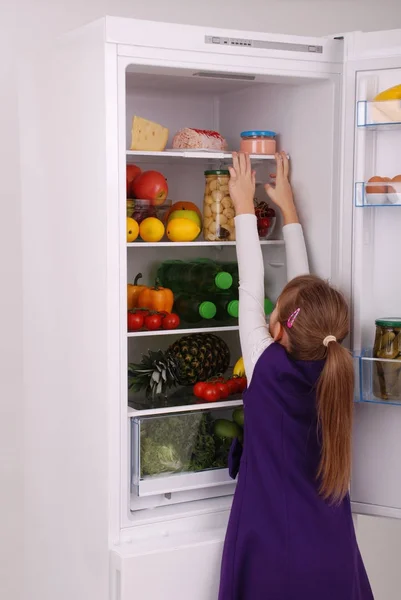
[
  {"x": 386, "y": 374},
  {"x": 218, "y": 209}
]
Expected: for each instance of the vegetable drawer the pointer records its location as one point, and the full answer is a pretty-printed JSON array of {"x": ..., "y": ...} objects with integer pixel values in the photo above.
[{"x": 184, "y": 451}]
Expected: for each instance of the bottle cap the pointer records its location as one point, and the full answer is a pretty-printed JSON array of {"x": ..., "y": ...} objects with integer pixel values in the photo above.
[
  {"x": 207, "y": 310},
  {"x": 223, "y": 280},
  {"x": 269, "y": 306},
  {"x": 233, "y": 308}
]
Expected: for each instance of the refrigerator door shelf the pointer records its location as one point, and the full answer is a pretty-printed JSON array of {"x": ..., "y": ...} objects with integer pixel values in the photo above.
[
  {"x": 180, "y": 452},
  {"x": 376, "y": 194},
  {"x": 379, "y": 115},
  {"x": 378, "y": 381}
]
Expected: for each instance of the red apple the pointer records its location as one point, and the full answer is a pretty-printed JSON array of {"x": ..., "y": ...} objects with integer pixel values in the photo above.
[
  {"x": 132, "y": 172},
  {"x": 151, "y": 185}
]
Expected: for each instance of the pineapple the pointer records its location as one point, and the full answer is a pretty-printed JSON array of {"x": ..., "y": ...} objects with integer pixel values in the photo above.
[{"x": 192, "y": 358}]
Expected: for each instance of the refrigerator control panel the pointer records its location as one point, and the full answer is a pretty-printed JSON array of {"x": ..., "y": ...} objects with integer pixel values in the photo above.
[{"x": 263, "y": 45}]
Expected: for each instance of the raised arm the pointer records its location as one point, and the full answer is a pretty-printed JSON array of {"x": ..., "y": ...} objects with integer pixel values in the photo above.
[{"x": 254, "y": 332}]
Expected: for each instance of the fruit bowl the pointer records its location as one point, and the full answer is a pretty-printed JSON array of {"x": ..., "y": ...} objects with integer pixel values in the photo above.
[{"x": 266, "y": 219}]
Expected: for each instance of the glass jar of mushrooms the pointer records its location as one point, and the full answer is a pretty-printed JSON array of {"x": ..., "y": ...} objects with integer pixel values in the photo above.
[{"x": 218, "y": 209}]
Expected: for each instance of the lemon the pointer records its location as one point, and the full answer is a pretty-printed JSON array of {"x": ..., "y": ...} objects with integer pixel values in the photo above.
[
  {"x": 151, "y": 230},
  {"x": 182, "y": 230},
  {"x": 239, "y": 368},
  {"x": 186, "y": 214},
  {"x": 132, "y": 230}
]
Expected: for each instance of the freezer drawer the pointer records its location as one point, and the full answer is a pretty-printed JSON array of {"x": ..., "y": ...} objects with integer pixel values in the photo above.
[
  {"x": 183, "y": 567},
  {"x": 185, "y": 451}
]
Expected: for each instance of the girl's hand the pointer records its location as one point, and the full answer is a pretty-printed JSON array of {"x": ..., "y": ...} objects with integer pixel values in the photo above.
[
  {"x": 282, "y": 194},
  {"x": 242, "y": 184}
]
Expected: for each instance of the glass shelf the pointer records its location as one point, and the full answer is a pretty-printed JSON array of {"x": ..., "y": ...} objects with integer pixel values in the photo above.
[
  {"x": 379, "y": 115},
  {"x": 174, "y": 156},
  {"x": 171, "y": 453},
  {"x": 378, "y": 381},
  {"x": 377, "y": 194}
]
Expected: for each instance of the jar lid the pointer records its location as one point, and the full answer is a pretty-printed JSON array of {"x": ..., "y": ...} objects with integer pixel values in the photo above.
[
  {"x": 389, "y": 322},
  {"x": 223, "y": 280},
  {"x": 269, "y": 306},
  {"x": 258, "y": 133},
  {"x": 233, "y": 308},
  {"x": 207, "y": 310},
  {"x": 218, "y": 172}
]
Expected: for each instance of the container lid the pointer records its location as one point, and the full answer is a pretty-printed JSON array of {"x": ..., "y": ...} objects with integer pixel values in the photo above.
[
  {"x": 389, "y": 322},
  {"x": 207, "y": 310},
  {"x": 223, "y": 280},
  {"x": 218, "y": 172},
  {"x": 233, "y": 308},
  {"x": 269, "y": 306},
  {"x": 258, "y": 133}
]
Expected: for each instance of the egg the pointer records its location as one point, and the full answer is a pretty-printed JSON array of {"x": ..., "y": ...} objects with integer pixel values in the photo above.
[
  {"x": 376, "y": 189},
  {"x": 395, "y": 189}
]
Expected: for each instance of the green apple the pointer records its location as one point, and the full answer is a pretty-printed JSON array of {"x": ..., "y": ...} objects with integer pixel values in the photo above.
[{"x": 186, "y": 214}]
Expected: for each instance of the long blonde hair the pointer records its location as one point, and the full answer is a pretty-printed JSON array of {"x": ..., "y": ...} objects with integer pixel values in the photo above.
[{"x": 324, "y": 312}]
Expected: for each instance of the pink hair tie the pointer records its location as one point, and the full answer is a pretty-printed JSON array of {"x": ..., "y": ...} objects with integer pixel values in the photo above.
[{"x": 292, "y": 318}]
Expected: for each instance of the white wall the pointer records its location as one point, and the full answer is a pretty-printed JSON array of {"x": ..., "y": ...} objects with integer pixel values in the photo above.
[{"x": 21, "y": 23}]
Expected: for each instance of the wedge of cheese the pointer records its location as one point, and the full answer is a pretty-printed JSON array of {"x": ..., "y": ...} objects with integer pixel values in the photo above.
[{"x": 147, "y": 135}]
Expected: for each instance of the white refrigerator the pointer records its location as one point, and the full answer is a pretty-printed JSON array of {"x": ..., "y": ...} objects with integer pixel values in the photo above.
[{"x": 95, "y": 525}]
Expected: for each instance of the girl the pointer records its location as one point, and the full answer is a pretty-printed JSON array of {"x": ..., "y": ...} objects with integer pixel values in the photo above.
[{"x": 290, "y": 534}]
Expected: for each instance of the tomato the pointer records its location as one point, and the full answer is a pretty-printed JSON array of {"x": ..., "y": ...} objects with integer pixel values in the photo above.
[
  {"x": 232, "y": 386},
  {"x": 223, "y": 389},
  {"x": 135, "y": 321},
  {"x": 171, "y": 321},
  {"x": 153, "y": 321},
  {"x": 199, "y": 389},
  {"x": 211, "y": 393},
  {"x": 241, "y": 383}
]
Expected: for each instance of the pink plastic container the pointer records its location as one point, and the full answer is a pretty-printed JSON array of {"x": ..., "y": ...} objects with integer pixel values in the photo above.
[{"x": 258, "y": 142}]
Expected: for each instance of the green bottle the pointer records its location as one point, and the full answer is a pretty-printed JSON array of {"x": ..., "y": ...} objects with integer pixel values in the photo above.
[
  {"x": 192, "y": 309},
  {"x": 194, "y": 277}
]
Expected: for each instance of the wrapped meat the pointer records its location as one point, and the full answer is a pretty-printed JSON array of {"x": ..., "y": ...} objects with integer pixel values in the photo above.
[{"x": 202, "y": 139}]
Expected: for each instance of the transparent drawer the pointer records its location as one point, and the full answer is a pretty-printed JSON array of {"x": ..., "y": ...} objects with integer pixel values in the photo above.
[
  {"x": 377, "y": 380},
  {"x": 379, "y": 115},
  {"x": 184, "y": 451}
]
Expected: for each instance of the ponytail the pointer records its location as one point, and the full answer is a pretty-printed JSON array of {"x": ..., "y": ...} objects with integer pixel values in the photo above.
[{"x": 335, "y": 409}]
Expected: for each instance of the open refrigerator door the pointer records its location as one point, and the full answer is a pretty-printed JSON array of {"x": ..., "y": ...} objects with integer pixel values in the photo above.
[{"x": 371, "y": 187}]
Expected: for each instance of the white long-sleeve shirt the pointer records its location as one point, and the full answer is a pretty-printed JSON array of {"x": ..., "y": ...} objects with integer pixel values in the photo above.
[{"x": 254, "y": 332}]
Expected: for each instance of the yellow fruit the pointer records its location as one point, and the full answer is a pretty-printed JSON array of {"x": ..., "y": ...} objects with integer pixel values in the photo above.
[
  {"x": 186, "y": 214},
  {"x": 151, "y": 230},
  {"x": 182, "y": 230},
  {"x": 239, "y": 368},
  {"x": 393, "y": 93},
  {"x": 132, "y": 230}
]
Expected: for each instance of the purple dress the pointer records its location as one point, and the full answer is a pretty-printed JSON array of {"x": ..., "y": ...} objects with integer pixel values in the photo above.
[{"x": 284, "y": 542}]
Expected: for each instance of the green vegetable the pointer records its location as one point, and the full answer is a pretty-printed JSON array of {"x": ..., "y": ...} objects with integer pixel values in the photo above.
[
  {"x": 204, "y": 450},
  {"x": 159, "y": 459},
  {"x": 238, "y": 416},
  {"x": 177, "y": 443},
  {"x": 227, "y": 429},
  {"x": 167, "y": 443},
  {"x": 222, "y": 449}
]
